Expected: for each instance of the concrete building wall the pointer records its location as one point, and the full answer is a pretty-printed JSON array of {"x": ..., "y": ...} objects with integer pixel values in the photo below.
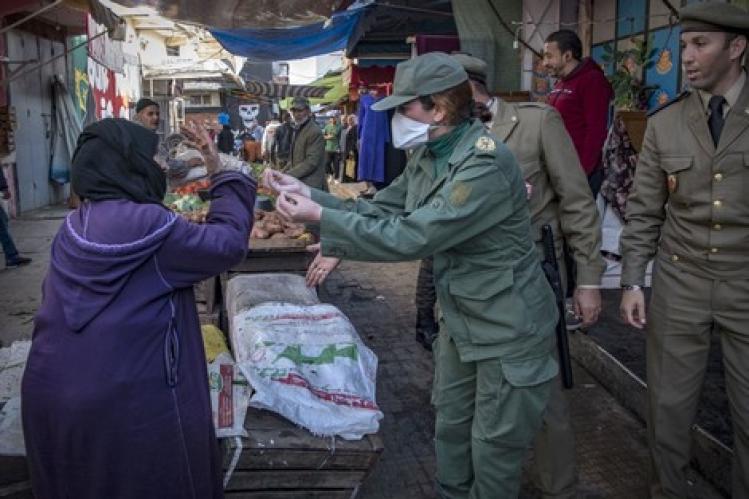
[{"x": 31, "y": 97}]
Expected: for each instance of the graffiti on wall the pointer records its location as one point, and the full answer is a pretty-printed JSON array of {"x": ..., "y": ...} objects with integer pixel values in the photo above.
[{"x": 109, "y": 98}]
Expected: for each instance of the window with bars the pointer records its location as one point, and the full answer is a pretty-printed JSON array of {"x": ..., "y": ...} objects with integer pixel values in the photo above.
[{"x": 199, "y": 100}]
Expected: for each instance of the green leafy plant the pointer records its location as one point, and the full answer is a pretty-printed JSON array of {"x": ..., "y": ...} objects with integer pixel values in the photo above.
[{"x": 630, "y": 93}]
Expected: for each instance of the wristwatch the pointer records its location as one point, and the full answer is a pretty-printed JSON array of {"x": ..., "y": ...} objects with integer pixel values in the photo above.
[{"x": 631, "y": 287}]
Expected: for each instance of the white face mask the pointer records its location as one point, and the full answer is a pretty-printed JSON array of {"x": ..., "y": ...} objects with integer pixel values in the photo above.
[{"x": 408, "y": 133}]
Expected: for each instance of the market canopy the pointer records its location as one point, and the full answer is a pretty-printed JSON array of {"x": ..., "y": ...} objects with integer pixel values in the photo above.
[
  {"x": 282, "y": 91},
  {"x": 226, "y": 14},
  {"x": 274, "y": 44},
  {"x": 330, "y": 87}
]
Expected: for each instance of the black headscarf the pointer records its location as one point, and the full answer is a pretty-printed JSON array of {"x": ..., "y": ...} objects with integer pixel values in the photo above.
[{"x": 114, "y": 160}]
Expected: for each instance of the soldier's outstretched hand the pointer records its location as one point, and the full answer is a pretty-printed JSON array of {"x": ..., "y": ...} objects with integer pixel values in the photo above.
[
  {"x": 281, "y": 182},
  {"x": 632, "y": 308}
]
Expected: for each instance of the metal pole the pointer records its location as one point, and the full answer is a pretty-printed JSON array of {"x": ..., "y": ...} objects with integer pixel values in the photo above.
[{"x": 7, "y": 81}]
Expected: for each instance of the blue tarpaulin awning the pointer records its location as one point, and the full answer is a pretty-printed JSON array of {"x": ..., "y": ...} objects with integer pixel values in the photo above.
[{"x": 277, "y": 44}]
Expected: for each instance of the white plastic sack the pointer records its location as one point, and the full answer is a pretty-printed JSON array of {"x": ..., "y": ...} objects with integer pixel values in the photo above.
[
  {"x": 230, "y": 394},
  {"x": 307, "y": 363},
  {"x": 11, "y": 429},
  {"x": 12, "y": 364}
]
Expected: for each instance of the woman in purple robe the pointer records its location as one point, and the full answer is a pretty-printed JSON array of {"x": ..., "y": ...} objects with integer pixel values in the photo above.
[{"x": 115, "y": 400}]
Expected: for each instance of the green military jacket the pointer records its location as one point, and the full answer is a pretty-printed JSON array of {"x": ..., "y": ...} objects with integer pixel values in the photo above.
[
  {"x": 474, "y": 220},
  {"x": 307, "y": 159},
  {"x": 690, "y": 203},
  {"x": 560, "y": 195}
]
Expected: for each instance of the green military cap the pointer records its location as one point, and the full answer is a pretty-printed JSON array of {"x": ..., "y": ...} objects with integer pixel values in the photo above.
[
  {"x": 300, "y": 102},
  {"x": 423, "y": 75},
  {"x": 475, "y": 67},
  {"x": 714, "y": 16}
]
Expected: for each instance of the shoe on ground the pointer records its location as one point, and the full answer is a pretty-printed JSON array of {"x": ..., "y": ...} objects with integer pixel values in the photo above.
[
  {"x": 17, "y": 262},
  {"x": 425, "y": 337},
  {"x": 572, "y": 321}
]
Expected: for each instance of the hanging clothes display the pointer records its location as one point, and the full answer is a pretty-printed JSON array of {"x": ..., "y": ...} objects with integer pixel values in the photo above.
[
  {"x": 619, "y": 160},
  {"x": 374, "y": 134}
]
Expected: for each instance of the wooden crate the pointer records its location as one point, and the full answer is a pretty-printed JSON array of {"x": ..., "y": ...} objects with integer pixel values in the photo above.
[
  {"x": 15, "y": 481},
  {"x": 281, "y": 460},
  {"x": 275, "y": 255}
]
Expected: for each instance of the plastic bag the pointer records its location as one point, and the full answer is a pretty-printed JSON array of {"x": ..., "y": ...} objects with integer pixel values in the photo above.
[
  {"x": 307, "y": 363},
  {"x": 12, "y": 364},
  {"x": 213, "y": 342},
  {"x": 11, "y": 429},
  {"x": 230, "y": 394}
]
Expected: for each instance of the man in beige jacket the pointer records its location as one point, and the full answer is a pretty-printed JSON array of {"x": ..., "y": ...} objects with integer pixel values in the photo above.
[{"x": 559, "y": 196}]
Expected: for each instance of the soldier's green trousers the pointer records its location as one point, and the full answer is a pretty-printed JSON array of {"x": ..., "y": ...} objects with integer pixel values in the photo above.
[
  {"x": 684, "y": 311},
  {"x": 554, "y": 469},
  {"x": 484, "y": 425},
  {"x": 554, "y": 463}
]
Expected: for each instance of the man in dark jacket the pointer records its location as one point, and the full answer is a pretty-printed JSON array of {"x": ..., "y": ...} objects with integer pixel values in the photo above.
[
  {"x": 226, "y": 140},
  {"x": 307, "y": 159},
  {"x": 581, "y": 95},
  {"x": 12, "y": 258},
  {"x": 282, "y": 142}
]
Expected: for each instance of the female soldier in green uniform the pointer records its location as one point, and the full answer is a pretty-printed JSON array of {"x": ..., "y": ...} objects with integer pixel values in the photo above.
[{"x": 462, "y": 200}]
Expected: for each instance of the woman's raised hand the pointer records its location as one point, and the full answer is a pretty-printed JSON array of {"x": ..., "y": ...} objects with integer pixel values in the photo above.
[{"x": 199, "y": 138}]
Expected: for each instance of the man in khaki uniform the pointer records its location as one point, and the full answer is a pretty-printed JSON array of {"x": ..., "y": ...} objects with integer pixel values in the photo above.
[
  {"x": 690, "y": 210},
  {"x": 559, "y": 196}
]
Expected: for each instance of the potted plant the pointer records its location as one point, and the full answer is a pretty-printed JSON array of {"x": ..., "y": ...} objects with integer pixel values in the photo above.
[{"x": 631, "y": 95}]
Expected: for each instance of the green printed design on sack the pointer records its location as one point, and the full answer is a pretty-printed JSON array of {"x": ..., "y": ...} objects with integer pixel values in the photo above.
[{"x": 327, "y": 356}]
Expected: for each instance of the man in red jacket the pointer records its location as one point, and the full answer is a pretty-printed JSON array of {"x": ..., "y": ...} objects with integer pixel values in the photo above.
[{"x": 581, "y": 95}]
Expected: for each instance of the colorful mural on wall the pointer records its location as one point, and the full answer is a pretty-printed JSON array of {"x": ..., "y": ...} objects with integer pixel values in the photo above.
[
  {"x": 79, "y": 83},
  {"x": 634, "y": 21},
  {"x": 665, "y": 72},
  {"x": 109, "y": 103}
]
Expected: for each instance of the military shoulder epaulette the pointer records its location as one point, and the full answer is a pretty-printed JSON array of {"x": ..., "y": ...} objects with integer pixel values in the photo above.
[{"x": 672, "y": 101}]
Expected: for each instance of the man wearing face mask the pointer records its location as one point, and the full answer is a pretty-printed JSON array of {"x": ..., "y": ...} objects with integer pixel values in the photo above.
[
  {"x": 462, "y": 200},
  {"x": 307, "y": 156},
  {"x": 559, "y": 196}
]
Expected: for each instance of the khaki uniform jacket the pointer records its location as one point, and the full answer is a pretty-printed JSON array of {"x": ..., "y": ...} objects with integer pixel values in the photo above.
[
  {"x": 560, "y": 195},
  {"x": 474, "y": 220},
  {"x": 307, "y": 159},
  {"x": 690, "y": 202}
]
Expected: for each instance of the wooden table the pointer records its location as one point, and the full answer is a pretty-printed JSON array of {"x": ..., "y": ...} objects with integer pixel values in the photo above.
[
  {"x": 275, "y": 255},
  {"x": 280, "y": 460}
]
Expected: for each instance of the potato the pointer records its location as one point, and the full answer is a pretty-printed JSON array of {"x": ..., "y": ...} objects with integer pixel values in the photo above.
[
  {"x": 273, "y": 228},
  {"x": 260, "y": 233},
  {"x": 294, "y": 232}
]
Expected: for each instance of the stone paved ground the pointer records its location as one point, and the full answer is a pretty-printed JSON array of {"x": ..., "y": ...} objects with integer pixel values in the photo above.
[
  {"x": 611, "y": 448},
  {"x": 379, "y": 300}
]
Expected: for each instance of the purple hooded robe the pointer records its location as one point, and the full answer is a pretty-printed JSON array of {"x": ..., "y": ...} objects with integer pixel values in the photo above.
[{"x": 115, "y": 400}]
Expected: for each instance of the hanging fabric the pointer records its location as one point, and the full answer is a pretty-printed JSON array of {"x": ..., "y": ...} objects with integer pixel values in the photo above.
[{"x": 66, "y": 126}]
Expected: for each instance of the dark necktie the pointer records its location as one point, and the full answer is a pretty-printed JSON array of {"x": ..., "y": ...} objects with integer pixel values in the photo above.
[{"x": 715, "y": 121}]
